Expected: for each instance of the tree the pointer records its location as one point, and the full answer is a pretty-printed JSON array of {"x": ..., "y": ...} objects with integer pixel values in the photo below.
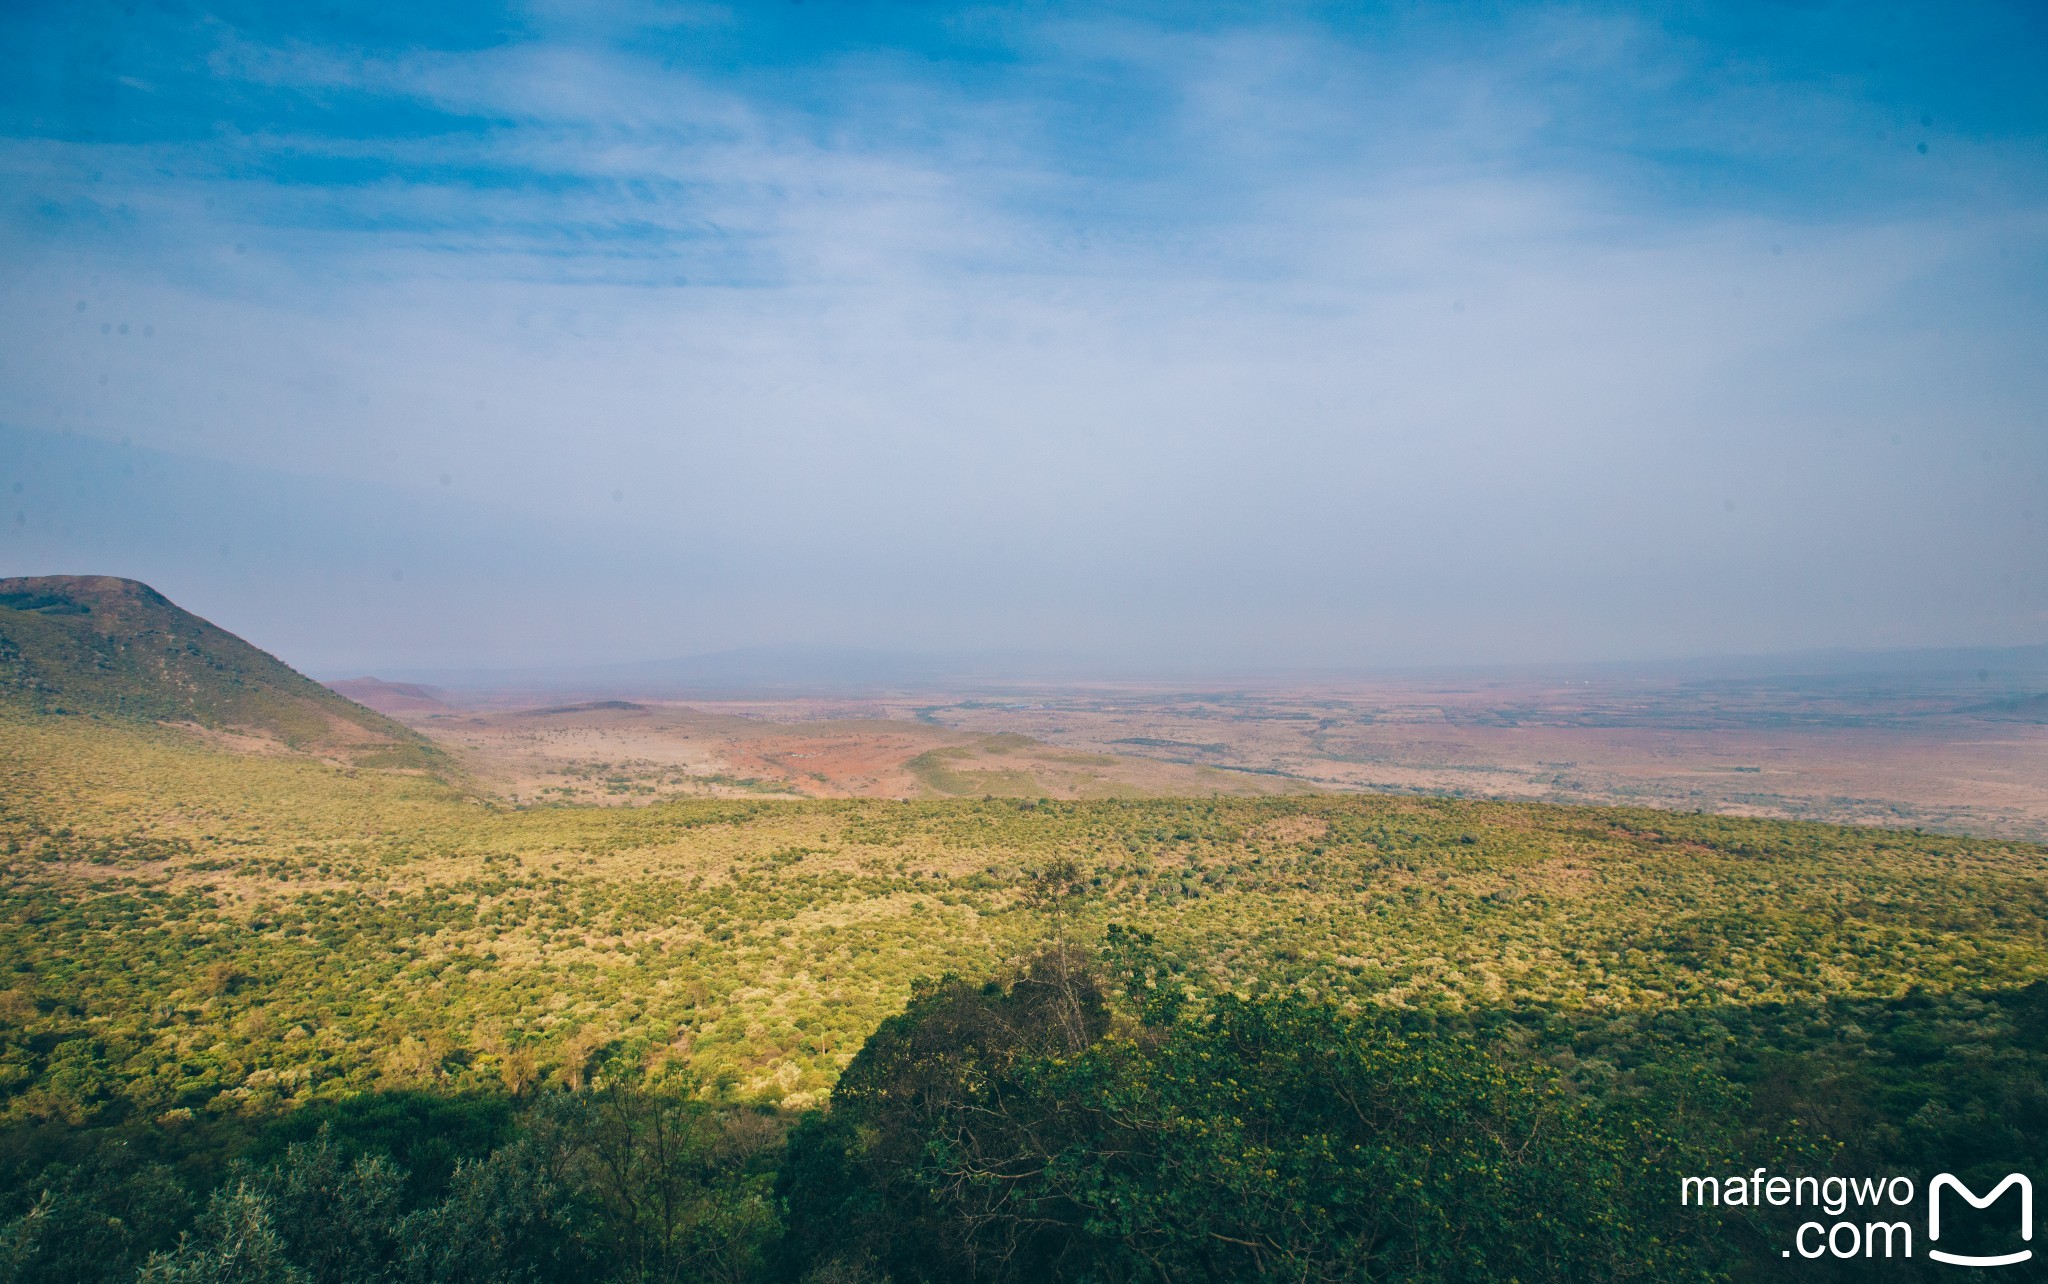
[
  {"x": 679, "y": 1190},
  {"x": 337, "y": 1219},
  {"x": 96, "y": 1221},
  {"x": 1274, "y": 1138},
  {"x": 235, "y": 1242},
  {"x": 927, "y": 1163},
  {"x": 1055, "y": 887},
  {"x": 505, "y": 1220}
]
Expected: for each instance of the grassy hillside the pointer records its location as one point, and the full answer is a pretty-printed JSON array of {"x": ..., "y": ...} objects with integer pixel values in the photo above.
[{"x": 114, "y": 648}]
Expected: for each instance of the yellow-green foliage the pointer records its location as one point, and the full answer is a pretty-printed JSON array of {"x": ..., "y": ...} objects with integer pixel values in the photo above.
[
  {"x": 104, "y": 647},
  {"x": 190, "y": 930}
]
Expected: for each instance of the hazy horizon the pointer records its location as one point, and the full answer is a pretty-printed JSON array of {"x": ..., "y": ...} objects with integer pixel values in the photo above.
[
  {"x": 1205, "y": 339},
  {"x": 1922, "y": 672}
]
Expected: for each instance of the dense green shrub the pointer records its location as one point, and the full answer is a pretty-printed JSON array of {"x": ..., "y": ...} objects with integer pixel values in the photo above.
[
  {"x": 987, "y": 1133},
  {"x": 628, "y": 1182}
]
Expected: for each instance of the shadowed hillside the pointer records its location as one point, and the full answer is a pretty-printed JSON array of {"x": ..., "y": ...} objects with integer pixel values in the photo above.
[{"x": 109, "y": 647}]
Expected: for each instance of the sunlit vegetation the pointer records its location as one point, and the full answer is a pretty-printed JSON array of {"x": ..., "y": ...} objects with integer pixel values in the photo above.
[
  {"x": 639, "y": 781},
  {"x": 201, "y": 948}
]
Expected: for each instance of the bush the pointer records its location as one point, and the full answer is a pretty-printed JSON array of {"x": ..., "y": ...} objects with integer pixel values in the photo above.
[
  {"x": 1273, "y": 1138},
  {"x": 94, "y": 1221}
]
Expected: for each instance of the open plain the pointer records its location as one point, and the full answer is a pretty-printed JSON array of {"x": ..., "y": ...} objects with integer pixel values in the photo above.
[{"x": 1933, "y": 754}]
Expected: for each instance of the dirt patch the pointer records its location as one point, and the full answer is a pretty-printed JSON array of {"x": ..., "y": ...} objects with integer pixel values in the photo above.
[
  {"x": 1789, "y": 752},
  {"x": 1292, "y": 829},
  {"x": 618, "y": 752}
]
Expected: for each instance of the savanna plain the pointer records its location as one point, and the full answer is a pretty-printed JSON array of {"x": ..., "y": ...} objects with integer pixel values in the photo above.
[{"x": 1408, "y": 980}]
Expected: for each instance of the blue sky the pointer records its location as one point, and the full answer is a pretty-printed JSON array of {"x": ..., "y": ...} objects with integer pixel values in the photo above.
[{"x": 1197, "y": 335}]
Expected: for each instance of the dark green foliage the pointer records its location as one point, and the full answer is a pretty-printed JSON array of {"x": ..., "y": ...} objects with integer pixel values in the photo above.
[
  {"x": 1283, "y": 1140},
  {"x": 424, "y": 1135},
  {"x": 1919, "y": 1085},
  {"x": 506, "y": 1220},
  {"x": 235, "y": 1242},
  {"x": 336, "y": 1219},
  {"x": 1044, "y": 1129},
  {"x": 629, "y": 1182},
  {"x": 917, "y": 1167},
  {"x": 675, "y": 1190},
  {"x": 94, "y": 1220},
  {"x": 1276, "y": 1138}
]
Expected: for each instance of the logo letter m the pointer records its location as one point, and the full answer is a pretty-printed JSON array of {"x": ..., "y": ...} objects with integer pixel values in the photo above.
[{"x": 1934, "y": 1189}]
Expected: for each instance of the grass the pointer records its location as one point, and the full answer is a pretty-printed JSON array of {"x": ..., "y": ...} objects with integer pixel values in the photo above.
[{"x": 1019, "y": 767}]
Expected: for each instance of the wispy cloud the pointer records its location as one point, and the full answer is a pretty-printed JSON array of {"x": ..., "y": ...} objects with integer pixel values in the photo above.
[{"x": 1553, "y": 333}]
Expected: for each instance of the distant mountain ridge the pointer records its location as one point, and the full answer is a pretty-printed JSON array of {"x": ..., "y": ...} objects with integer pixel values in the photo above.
[
  {"x": 819, "y": 669},
  {"x": 117, "y": 648},
  {"x": 782, "y": 669}
]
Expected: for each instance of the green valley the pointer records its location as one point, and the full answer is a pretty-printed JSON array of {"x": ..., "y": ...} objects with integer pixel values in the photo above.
[{"x": 222, "y": 970}]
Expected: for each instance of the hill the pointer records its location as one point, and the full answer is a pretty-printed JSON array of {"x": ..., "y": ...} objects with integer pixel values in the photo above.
[
  {"x": 2032, "y": 708},
  {"x": 390, "y": 697},
  {"x": 115, "y": 648}
]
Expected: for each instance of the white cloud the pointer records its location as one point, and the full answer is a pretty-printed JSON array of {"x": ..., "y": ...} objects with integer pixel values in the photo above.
[{"x": 1356, "y": 361}]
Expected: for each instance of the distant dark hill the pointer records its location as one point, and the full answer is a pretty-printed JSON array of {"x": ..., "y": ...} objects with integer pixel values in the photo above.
[
  {"x": 390, "y": 697},
  {"x": 94, "y": 644},
  {"x": 785, "y": 670},
  {"x": 589, "y": 706},
  {"x": 2032, "y": 708}
]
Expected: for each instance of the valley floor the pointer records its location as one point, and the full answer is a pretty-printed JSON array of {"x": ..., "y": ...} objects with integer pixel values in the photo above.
[
  {"x": 1941, "y": 759},
  {"x": 195, "y": 930}
]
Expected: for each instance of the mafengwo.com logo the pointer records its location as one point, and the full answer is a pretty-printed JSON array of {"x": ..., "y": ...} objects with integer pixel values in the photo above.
[{"x": 1886, "y": 1217}]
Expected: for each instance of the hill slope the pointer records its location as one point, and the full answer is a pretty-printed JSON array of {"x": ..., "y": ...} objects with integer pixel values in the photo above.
[
  {"x": 389, "y": 697},
  {"x": 95, "y": 644},
  {"x": 2032, "y": 708}
]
